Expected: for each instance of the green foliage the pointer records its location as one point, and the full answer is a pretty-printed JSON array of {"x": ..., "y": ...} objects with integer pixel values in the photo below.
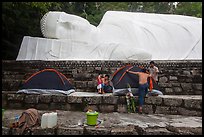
[{"x": 23, "y": 18}]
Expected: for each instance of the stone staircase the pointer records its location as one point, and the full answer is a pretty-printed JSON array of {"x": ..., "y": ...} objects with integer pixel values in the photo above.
[{"x": 180, "y": 81}]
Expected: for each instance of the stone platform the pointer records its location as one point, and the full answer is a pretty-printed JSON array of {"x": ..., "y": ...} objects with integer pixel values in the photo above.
[
  {"x": 189, "y": 105},
  {"x": 116, "y": 124}
]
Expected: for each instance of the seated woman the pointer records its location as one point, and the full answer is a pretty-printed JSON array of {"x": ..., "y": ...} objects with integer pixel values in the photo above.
[{"x": 108, "y": 88}]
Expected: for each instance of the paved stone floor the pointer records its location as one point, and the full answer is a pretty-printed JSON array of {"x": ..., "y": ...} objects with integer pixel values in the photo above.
[{"x": 70, "y": 119}]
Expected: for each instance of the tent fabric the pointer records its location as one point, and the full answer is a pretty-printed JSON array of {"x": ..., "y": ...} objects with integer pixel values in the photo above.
[
  {"x": 47, "y": 81},
  {"x": 119, "y": 36},
  {"x": 121, "y": 79}
]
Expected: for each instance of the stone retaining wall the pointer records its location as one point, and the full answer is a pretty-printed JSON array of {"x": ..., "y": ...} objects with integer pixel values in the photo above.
[
  {"x": 175, "y": 77},
  {"x": 126, "y": 130},
  {"x": 80, "y": 101}
]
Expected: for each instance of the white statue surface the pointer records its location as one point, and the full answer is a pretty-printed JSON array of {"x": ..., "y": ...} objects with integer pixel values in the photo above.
[{"x": 119, "y": 36}]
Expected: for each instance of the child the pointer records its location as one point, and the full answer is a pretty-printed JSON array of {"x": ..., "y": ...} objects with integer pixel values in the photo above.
[{"x": 100, "y": 87}]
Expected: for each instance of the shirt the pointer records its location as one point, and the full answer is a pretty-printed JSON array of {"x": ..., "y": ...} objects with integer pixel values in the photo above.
[{"x": 153, "y": 71}]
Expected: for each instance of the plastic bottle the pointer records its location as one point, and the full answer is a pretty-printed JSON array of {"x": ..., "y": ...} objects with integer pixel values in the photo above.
[
  {"x": 44, "y": 120},
  {"x": 52, "y": 120}
]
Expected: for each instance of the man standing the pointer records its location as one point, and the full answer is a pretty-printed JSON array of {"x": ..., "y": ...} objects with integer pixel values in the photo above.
[
  {"x": 153, "y": 71},
  {"x": 143, "y": 86}
]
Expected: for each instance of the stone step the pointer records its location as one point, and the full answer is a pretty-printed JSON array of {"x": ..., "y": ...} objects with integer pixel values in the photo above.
[
  {"x": 81, "y": 101},
  {"x": 115, "y": 124}
]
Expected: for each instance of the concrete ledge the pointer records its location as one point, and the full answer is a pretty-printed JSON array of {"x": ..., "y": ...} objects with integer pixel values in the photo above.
[
  {"x": 81, "y": 101},
  {"x": 115, "y": 124}
]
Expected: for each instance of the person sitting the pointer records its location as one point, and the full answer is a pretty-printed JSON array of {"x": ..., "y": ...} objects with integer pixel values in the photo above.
[
  {"x": 107, "y": 84},
  {"x": 143, "y": 86},
  {"x": 100, "y": 86}
]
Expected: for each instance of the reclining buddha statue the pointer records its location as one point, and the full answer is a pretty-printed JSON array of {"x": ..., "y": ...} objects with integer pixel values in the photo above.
[{"x": 119, "y": 36}]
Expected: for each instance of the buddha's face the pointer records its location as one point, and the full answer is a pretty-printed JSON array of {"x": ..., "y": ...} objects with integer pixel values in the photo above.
[{"x": 65, "y": 26}]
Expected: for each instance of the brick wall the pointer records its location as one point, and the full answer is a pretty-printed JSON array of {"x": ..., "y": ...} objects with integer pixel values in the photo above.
[{"x": 175, "y": 77}]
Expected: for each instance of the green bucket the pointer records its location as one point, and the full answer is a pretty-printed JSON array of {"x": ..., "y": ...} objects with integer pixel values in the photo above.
[{"x": 92, "y": 118}]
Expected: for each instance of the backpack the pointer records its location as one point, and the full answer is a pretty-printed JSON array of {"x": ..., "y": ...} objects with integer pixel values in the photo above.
[{"x": 29, "y": 118}]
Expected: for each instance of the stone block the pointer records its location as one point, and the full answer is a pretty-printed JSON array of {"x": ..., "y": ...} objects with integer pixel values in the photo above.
[
  {"x": 32, "y": 99},
  {"x": 173, "y": 78},
  {"x": 157, "y": 131},
  {"x": 127, "y": 130},
  {"x": 92, "y": 107},
  {"x": 106, "y": 108},
  {"x": 14, "y": 105},
  {"x": 186, "y": 112},
  {"x": 165, "y": 85},
  {"x": 197, "y": 86},
  {"x": 193, "y": 104},
  {"x": 59, "y": 98},
  {"x": 5, "y": 131},
  {"x": 186, "y": 86},
  {"x": 110, "y": 99},
  {"x": 169, "y": 90},
  {"x": 122, "y": 108},
  {"x": 186, "y": 72},
  {"x": 147, "y": 109},
  {"x": 60, "y": 106},
  {"x": 91, "y": 84},
  {"x": 153, "y": 100},
  {"x": 96, "y": 131},
  {"x": 70, "y": 131},
  {"x": 93, "y": 100},
  {"x": 121, "y": 100},
  {"x": 163, "y": 79},
  {"x": 4, "y": 100},
  {"x": 15, "y": 97},
  {"x": 46, "y": 131},
  {"x": 45, "y": 98},
  {"x": 177, "y": 89},
  {"x": 162, "y": 110},
  {"x": 176, "y": 84},
  {"x": 172, "y": 101},
  {"x": 74, "y": 99},
  {"x": 41, "y": 106}
]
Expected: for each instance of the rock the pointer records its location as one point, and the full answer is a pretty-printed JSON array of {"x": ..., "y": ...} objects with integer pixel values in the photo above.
[
  {"x": 92, "y": 84},
  {"x": 186, "y": 86},
  {"x": 70, "y": 131},
  {"x": 176, "y": 84},
  {"x": 60, "y": 106},
  {"x": 177, "y": 89},
  {"x": 80, "y": 84},
  {"x": 172, "y": 101},
  {"x": 96, "y": 131},
  {"x": 168, "y": 90},
  {"x": 165, "y": 85},
  {"x": 186, "y": 112},
  {"x": 74, "y": 99},
  {"x": 162, "y": 110},
  {"x": 163, "y": 79},
  {"x": 193, "y": 103},
  {"x": 106, "y": 108},
  {"x": 45, "y": 98},
  {"x": 122, "y": 108},
  {"x": 197, "y": 86},
  {"x": 46, "y": 131},
  {"x": 157, "y": 131},
  {"x": 93, "y": 100},
  {"x": 5, "y": 131},
  {"x": 147, "y": 109},
  {"x": 59, "y": 98},
  {"x": 15, "y": 97},
  {"x": 32, "y": 99},
  {"x": 186, "y": 72},
  {"x": 173, "y": 78},
  {"x": 153, "y": 100},
  {"x": 127, "y": 130},
  {"x": 13, "y": 105},
  {"x": 121, "y": 100},
  {"x": 42, "y": 106},
  {"x": 110, "y": 99}
]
